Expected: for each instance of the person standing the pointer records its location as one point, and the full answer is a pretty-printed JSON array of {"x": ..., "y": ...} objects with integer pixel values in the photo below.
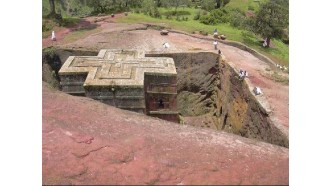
[
  {"x": 215, "y": 43},
  {"x": 53, "y": 36}
]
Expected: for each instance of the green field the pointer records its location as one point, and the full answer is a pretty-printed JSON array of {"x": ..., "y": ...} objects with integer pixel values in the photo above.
[
  {"x": 244, "y": 5},
  {"x": 279, "y": 51}
]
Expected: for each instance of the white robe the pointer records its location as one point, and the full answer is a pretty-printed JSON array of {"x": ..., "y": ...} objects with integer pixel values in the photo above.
[{"x": 53, "y": 36}]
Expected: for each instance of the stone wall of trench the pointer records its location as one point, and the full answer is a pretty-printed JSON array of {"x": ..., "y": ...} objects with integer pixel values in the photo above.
[
  {"x": 208, "y": 87},
  {"x": 209, "y": 93}
]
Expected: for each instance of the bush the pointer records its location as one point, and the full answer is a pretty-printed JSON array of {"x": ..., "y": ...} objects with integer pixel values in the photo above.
[
  {"x": 251, "y": 8},
  {"x": 209, "y": 20},
  {"x": 156, "y": 13},
  {"x": 48, "y": 25},
  {"x": 237, "y": 19},
  {"x": 204, "y": 12},
  {"x": 215, "y": 17},
  {"x": 198, "y": 15},
  {"x": 69, "y": 21},
  {"x": 203, "y": 33},
  {"x": 176, "y": 13}
]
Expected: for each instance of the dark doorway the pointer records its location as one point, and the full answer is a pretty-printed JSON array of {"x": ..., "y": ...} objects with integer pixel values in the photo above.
[{"x": 160, "y": 103}]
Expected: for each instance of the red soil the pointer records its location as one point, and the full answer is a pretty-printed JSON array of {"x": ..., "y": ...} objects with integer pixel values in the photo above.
[{"x": 87, "y": 142}]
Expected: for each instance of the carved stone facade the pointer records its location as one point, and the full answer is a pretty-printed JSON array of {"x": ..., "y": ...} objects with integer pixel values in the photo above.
[{"x": 125, "y": 79}]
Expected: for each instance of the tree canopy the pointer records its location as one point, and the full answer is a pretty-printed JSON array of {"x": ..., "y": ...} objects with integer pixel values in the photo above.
[{"x": 272, "y": 19}]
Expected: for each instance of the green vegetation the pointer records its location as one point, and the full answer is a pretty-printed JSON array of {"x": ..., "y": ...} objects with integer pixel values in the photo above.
[
  {"x": 244, "y": 5},
  {"x": 279, "y": 51},
  {"x": 67, "y": 8},
  {"x": 239, "y": 20},
  {"x": 73, "y": 36},
  {"x": 272, "y": 19}
]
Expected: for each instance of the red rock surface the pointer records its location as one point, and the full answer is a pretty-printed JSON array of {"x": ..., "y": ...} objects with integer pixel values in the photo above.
[{"x": 87, "y": 142}]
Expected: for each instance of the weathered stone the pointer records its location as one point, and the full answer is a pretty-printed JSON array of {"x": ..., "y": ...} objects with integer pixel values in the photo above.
[
  {"x": 131, "y": 149},
  {"x": 223, "y": 37},
  {"x": 164, "y": 32},
  {"x": 125, "y": 79}
]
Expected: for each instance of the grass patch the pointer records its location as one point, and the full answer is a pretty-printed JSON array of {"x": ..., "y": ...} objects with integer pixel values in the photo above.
[
  {"x": 275, "y": 76},
  {"x": 73, "y": 36},
  {"x": 70, "y": 21},
  {"x": 279, "y": 78},
  {"x": 279, "y": 52},
  {"x": 244, "y": 5}
]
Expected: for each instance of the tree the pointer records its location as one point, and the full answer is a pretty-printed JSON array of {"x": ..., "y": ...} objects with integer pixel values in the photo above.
[
  {"x": 221, "y": 3},
  {"x": 272, "y": 19},
  {"x": 53, "y": 14}
]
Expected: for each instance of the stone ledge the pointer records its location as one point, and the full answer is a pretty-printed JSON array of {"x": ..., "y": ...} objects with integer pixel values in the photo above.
[{"x": 163, "y": 112}]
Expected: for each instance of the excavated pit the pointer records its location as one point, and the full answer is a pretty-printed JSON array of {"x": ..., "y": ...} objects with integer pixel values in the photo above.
[{"x": 210, "y": 95}]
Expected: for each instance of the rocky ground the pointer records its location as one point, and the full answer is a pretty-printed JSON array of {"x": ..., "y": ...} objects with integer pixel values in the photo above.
[
  {"x": 137, "y": 36},
  {"x": 88, "y": 142}
]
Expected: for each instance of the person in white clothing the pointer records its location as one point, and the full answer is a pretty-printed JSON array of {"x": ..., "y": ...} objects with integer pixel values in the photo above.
[
  {"x": 53, "y": 36},
  {"x": 265, "y": 43},
  {"x": 166, "y": 45},
  {"x": 215, "y": 43}
]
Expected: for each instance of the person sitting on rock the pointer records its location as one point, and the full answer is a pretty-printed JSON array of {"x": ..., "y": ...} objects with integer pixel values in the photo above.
[
  {"x": 241, "y": 74},
  {"x": 257, "y": 90}
]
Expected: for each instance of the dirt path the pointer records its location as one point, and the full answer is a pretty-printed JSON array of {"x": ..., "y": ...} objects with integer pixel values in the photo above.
[
  {"x": 86, "y": 23},
  {"x": 134, "y": 36}
]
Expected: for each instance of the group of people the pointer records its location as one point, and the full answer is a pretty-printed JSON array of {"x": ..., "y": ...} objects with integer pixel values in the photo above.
[
  {"x": 284, "y": 68},
  {"x": 166, "y": 45},
  {"x": 242, "y": 74}
]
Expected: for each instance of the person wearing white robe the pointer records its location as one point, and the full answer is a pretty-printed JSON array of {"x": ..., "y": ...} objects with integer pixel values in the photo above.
[
  {"x": 215, "y": 43},
  {"x": 166, "y": 45},
  {"x": 53, "y": 36}
]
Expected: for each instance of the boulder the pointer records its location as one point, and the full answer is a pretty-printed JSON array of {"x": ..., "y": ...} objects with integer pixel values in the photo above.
[
  {"x": 223, "y": 37},
  {"x": 164, "y": 32}
]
